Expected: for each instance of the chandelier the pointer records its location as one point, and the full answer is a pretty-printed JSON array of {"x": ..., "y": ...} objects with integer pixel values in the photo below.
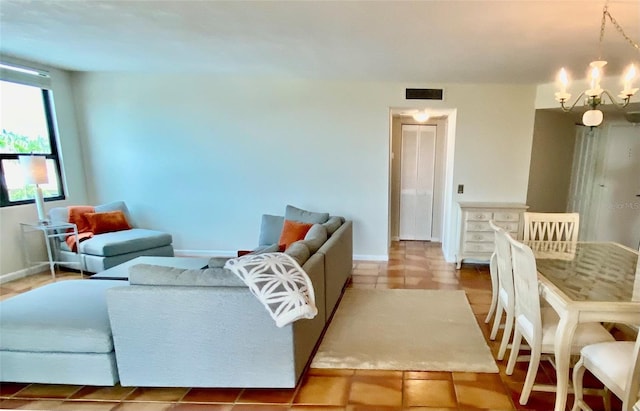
[{"x": 595, "y": 95}]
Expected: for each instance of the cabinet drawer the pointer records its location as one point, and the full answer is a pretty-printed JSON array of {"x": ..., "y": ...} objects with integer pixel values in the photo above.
[
  {"x": 472, "y": 247},
  {"x": 477, "y": 226},
  {"x": 506, "y": 216},
  {"x": 478, "y": 216},
  {"x": 480, "y": 236},
  {"x": 509, "y": 227}
]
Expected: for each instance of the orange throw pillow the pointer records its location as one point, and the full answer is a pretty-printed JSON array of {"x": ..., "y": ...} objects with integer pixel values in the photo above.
[
  {"x": 77, "y": 216},
  {"x": 107, "y": 222},
  {"x": 293, "y": 231}
]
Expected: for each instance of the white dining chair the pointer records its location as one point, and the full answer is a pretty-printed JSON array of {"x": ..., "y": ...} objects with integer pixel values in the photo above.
[
  {"x": 493, "y": 272},
  {"x": 538, "y": 325},
  {"x": 616, "y": 365},
  {"x": 506, "y": 298},
  {"x": 551, "y": 226}
]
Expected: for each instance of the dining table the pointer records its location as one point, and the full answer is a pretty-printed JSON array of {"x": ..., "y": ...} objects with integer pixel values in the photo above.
[{"x": 585, "y": 282}]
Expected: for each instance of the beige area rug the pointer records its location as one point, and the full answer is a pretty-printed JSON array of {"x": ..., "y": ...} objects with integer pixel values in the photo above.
[{"x": 418, "y": 330}]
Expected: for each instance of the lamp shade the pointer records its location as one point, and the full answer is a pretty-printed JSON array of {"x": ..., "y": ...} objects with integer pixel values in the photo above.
[
  {"x": 592, "y": 118},
  {"x": 34, "y": 169}
]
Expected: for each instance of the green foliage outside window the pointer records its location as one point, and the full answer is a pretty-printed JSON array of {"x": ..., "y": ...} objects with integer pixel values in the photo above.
[{"x": 11, "y": 142}]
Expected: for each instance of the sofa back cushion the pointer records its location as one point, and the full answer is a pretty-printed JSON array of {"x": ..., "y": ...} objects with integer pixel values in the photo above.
[
  {"x": 333, "y": 224},
  {"x": 270, "y": 229},
  {"x": 316, "y": 236},
  {"x": 61, "y": 214},
  {"x": 304, "y": 216},
  {"x": 299, "y": 252}
]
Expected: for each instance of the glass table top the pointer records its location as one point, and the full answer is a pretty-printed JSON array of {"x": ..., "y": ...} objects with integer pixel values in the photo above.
[{"x": 590, "y": 271}]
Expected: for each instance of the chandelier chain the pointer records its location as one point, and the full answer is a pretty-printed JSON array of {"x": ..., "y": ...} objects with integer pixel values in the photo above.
[{"x": 605, "y": 14}]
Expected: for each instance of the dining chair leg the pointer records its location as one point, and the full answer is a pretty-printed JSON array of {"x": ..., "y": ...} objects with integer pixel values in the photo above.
[
  {"x": 534, "y": 363},
  {"x": 578, "y": 375},
  {"x": 493, "y": 269},
  {"x": 508, "y": 326},
  {"x": 496, "y": 321},
  {"x": 515, "y": 349}
]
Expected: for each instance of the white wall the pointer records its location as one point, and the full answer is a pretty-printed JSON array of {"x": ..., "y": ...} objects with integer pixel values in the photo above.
[
  {"x": 11, "y": 258},
  {"x": 203, "y": 157}
]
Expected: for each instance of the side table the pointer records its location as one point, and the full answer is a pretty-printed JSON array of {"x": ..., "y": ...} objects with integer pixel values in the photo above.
[{"x": 50, "y": 231}]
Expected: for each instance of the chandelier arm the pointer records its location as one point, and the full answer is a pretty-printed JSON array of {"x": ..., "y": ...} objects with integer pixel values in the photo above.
[
  {"x": 565, "y": 109},
  {"x": 625, "y": 101}
]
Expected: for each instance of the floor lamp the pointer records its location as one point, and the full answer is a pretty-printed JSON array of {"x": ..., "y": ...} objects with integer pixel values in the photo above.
[{"x": 35, "y": 172}]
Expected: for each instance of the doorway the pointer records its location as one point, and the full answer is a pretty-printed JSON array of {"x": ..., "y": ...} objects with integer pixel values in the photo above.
[{"x": 417, "y": 180}]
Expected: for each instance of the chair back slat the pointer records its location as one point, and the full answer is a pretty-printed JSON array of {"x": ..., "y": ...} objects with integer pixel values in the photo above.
[{"x": 551, "y": 226}]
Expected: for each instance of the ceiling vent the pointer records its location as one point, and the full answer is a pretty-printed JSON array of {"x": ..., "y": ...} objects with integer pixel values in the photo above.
[
  {"x": 633, "y": 117},
  {"x": 424, "y": 94}
]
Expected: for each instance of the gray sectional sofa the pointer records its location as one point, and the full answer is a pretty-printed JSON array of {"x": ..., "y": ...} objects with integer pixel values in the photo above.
[{"x": 203, "y": 328}]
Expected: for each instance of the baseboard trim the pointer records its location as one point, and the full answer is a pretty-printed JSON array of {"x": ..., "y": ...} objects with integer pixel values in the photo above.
[
  {"x": 228, "y": 253},
  {"x": 370, "y": 257},
  {"x": 4, "y": 278},
  {"x": 204, "y": 253}
]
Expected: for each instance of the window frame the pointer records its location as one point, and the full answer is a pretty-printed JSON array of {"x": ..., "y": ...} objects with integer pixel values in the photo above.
[{"x": 47, "y": 100}]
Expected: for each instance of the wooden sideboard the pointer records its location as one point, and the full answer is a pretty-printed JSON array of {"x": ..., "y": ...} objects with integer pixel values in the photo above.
[{"x": 477, "y": 237}]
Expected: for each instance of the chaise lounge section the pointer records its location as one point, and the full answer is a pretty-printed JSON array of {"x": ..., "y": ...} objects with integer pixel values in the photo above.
[
  {"x": 108, "y": 249},
  {"x": 58, "y": 334}
]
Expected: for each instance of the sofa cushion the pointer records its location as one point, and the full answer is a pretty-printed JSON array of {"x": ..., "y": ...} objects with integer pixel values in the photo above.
[
  {"x": 333, "y": 224},
  {"x": 270, "y": 229},
  {"x": 299, "y": 252},
  {"x": 293, "y": 231},
  {"x": 315, "y": 237},
  {"x": 304, "y": 216},
  {"x": 126, "y": 241},
  {"x": 68, "y": 316},
  {"x": 149, "y": 274}
]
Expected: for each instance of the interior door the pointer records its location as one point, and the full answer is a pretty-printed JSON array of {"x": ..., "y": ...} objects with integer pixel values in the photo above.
[
  {"x": 619, "y": 206},
  {"x": 417, "y": 181}
]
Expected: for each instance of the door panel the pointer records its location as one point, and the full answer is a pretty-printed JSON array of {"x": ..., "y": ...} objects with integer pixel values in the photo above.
[{"x": 417, "y": 182}]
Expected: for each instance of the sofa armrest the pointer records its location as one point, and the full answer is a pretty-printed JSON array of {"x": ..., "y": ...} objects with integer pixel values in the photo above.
[{"x": 338, "y": 260}]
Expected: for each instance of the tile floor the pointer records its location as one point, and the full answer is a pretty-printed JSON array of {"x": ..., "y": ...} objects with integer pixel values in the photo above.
[{"x": 417, "y": 265}]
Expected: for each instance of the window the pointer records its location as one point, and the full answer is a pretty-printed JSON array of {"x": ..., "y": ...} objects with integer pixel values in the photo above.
[{"x": 26, "y": 127}]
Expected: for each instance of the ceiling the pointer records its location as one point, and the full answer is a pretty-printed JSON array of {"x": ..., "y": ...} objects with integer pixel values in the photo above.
[{"x": 514, "y": 41}]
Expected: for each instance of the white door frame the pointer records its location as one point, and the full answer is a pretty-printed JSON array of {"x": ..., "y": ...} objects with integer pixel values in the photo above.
[{"x": 449, "y": 235}]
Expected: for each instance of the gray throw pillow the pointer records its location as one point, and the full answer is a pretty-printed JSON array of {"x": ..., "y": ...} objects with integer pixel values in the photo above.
[{"x": 304, "y": 216}]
